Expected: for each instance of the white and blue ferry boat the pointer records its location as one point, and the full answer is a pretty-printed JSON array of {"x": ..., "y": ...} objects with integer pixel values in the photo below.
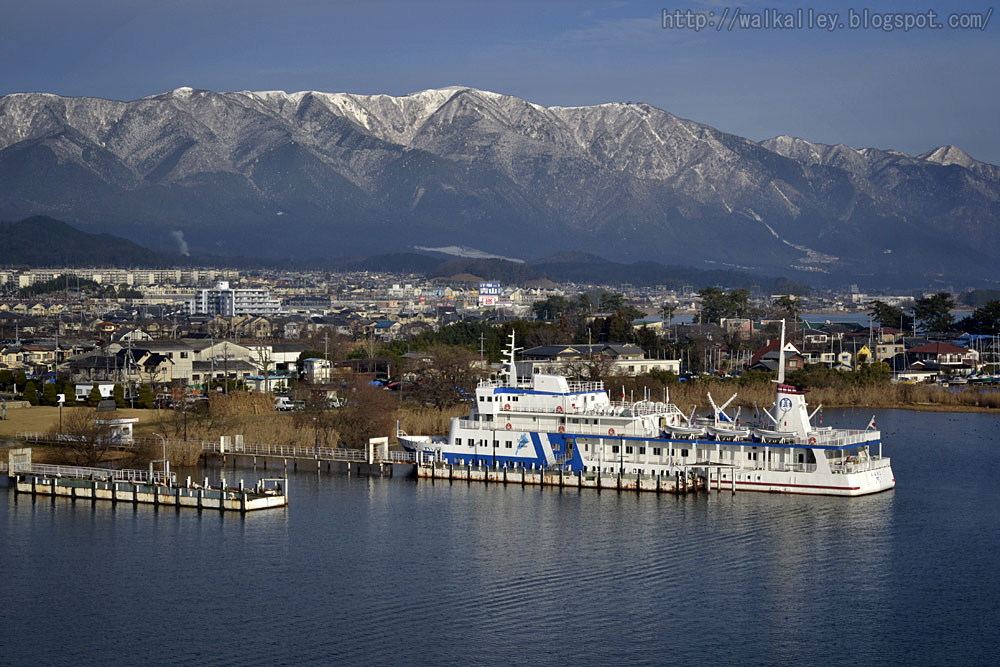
[{"x": 549, "y": 422}]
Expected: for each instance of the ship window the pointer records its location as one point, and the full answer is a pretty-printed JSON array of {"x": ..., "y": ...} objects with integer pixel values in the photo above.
[
  {"x": 482, "y": 399},
  {"x": 802, "y": 458},
  {"x": 586, "y": 448},
  {"x": 628, "y": 450},
  {"x": 569, "y": 445},
  {"x": 508, "y": 444},
  {"x": 749, "y": 456},
  {"x": 496, "y": 443},
  {"x": 614, "y": 449},
  {"x": 642, "y": 450},
  {"x": 458, "y": 441},
  {"x": 656, "y": 451},
  {"x": 684, "y": 452}
]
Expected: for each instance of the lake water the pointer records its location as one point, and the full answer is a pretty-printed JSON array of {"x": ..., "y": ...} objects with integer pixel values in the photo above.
[{"x": 396, "y": 571}]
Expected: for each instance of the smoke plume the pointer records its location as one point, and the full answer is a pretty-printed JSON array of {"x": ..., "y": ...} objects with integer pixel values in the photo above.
[{"x": 182, "y": 245}]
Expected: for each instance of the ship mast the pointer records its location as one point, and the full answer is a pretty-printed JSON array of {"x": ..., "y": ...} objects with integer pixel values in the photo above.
[
  {"x": 781, "y": 355},
  {"x": 511, "y": 370}
]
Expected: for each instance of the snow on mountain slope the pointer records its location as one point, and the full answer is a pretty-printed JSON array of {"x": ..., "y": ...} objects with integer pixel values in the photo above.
[{"x": 461, "y": 166}]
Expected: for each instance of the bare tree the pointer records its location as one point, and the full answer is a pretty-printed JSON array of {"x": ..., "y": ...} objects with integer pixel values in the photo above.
[
  {"x": 600, "y": 367},
  {"x": 369, "y": 412},
  {"x": 260, "y": 356},
  {"x": 447, "y": 372},
  {"x": 85, "y": 440}
]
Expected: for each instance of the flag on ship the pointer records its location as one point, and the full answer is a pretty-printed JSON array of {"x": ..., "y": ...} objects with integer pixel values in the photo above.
[{"x": 871, "y": 424}]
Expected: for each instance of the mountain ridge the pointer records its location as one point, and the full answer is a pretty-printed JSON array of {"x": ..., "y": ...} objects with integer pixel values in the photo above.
[{"x": 461, "y": 166}]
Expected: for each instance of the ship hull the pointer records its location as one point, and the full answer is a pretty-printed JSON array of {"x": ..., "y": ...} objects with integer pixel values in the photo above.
[{"x": 660, "y": 457}]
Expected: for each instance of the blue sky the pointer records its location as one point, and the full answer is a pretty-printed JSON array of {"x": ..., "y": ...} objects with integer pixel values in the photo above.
[{"x": 910, "y": 91}]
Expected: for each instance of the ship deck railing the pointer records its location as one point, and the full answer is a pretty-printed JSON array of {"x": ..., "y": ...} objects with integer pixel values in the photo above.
[
  {"x": 575, "y": 386},
  {"x": 839, "y": 437},
  {"x": 633, "y": 430},
  {"x": 849, "y": 467},
  {"x": 580, "y": 386},
  {"x": 613, "y": 409}
]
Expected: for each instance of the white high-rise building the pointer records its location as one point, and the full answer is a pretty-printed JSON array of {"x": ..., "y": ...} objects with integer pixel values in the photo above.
[{"x": 228, "y": 302}]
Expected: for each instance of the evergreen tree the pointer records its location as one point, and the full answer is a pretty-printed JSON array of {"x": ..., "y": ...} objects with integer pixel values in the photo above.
[
  {"x": 984, "y": 320},
  {"x": 118, "y": 392},
  {"x": 69, "y": 389},
  {"x": 716, "y": 304},
  {"x": 94, "y": 397},
  {"x": 49, "y": 394},
  {"x": 6, "y": 379},
  {"x": 934, "y": 312},
  {"x": 30, "y": 392},
  {"x": 20, "y": 379},
  {"x": 891, "y": 316},
  {"x": 146, "y": 397}
]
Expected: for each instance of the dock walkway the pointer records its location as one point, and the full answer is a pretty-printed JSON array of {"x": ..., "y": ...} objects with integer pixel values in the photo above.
[
  {"x": 374, "y": 453},
  {"x": 682, "y": 482}
]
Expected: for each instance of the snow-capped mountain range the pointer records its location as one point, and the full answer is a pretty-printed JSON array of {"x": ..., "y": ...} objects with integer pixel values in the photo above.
[{"x": 311, "y": 173}]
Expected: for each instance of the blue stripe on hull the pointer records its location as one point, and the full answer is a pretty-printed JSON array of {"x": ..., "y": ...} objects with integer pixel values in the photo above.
[{"x": 557, "y": 440}]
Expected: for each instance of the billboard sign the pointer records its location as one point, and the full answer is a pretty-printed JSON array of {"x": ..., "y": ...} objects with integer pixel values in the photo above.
[{"x": 489, "y": 293}]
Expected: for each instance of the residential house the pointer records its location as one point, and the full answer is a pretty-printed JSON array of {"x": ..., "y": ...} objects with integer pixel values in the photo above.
[
  {"x": 10, "y": 357},
  {"x": 131, "y": 334},
  {"x": 252, "y": 326},
  {"x": 386, "y": 330},
  {"x": 316, "y": 370},
  {"x": 766, "y": 358},
  {"x": 949, "y": 358},
  {"x": 203, "y": 372}
]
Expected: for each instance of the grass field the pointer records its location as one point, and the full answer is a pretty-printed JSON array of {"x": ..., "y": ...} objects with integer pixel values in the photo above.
[{"x": 45, "y": 418}]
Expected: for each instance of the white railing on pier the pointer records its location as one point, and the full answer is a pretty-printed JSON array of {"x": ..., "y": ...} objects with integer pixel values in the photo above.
[
  {"x": 252, "y": 449},
  {"x": 42, "y": 437},
  {"x": 288, "y": 451},
  {"x": 81, "y": 472}
]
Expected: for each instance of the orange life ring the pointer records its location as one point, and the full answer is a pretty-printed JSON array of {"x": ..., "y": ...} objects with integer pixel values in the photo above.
[
  {"x": 611, "y": 431},
  {"x": 562, "y": 429},
  {"x": 508, "y": 427},
  {"x": 558, "y": 408},
  {"x": 812, "y": 441},
  {"x": 507, "y": 407}
]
